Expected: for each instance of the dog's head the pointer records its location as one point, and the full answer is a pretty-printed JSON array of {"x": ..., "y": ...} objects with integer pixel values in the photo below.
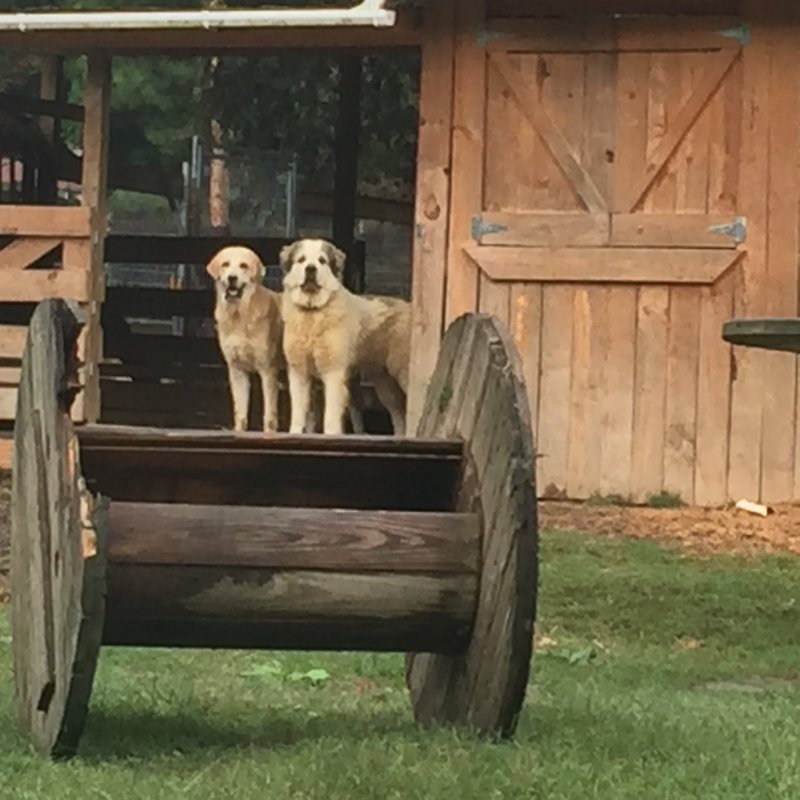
[
  {"x": 312, "y": 272},
  {"x": 236, "y": 272}
]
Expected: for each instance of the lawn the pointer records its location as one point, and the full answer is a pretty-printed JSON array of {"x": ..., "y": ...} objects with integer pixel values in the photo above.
[{"x": 659, "y": 675}]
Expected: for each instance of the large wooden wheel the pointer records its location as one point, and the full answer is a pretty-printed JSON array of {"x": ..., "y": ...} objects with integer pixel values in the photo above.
[
  {"x": 56, "y": 573},
  {"x": 477, "y": 393}
]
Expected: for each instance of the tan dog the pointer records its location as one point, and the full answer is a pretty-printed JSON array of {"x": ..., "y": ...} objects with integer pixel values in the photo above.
[
  {"x": 331, "y": 333},
  {"x": 249, "y": 330}
]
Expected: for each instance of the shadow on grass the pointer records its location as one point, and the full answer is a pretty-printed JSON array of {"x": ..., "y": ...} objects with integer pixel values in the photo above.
[{"x": 125, "y": 735}]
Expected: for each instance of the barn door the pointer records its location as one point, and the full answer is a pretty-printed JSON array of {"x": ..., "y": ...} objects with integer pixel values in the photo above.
[
  {"x": 608, "y": 152},
  {"x": 595, "y": 209}
]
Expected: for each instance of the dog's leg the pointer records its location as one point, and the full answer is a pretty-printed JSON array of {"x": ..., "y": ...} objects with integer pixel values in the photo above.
[
  {"x": 393, "y": 399},
  {"x": 240, "y": 394},
  {"x": 299, "y": 398},
  {"x": 356, "y": 405},
  {"x": 269, "y": 390},
  {"x": 335, "y": 384}
]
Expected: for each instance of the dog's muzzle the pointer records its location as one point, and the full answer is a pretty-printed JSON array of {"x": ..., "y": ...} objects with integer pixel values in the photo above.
[
  {"x": 310, "y": 285},
  {"x": 233, "y": 290}
]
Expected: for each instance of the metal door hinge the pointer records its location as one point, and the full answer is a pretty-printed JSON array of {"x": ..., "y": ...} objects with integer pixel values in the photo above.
[
  {"x": 737, "y": 229},
  {"x": 741, "y": 33},
  {"x": 480, "y": 228}
]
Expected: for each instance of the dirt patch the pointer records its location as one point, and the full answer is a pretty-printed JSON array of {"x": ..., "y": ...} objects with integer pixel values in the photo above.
[{"x": 699, "y": 529}]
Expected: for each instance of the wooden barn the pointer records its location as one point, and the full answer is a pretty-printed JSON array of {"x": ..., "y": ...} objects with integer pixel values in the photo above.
[{"x": 612, "y": 178}]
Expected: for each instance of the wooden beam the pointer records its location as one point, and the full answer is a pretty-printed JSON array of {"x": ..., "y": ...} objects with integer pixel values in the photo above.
[
  {"x": 252, "y": 608},
  {"x": 44, "y": 106},
  {"x": 22, "y": 252},
  {"x": 405, "y": 33},
  {"x": 57, "y": 222},
  {"x": 97, "y": 108},
  {"x": 346, "y": 164},
  {"x": 603, "y": 264},
  {"x": 293, "y": 538},
  {"x": 432, "y": 206},
  {"x": 12, "y": 340}
]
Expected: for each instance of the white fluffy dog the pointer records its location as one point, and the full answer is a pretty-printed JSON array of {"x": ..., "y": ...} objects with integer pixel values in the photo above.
[
  {"x": 249, "y": 329},
  {"x": 331, "y": 333}
]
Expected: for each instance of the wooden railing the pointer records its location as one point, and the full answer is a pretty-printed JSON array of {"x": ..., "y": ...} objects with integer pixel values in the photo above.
[{"x": 44, "y": 252}]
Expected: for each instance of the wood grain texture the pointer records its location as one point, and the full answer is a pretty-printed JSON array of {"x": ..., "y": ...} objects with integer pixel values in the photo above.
[
  {"x": 713, "y": 396},
  {"x": 650, "y": 392},
  {"x": 469, "y": 118},
  {"x": 484, "y": 687},
  {"x": 432, "y": 208},
  {"x": 20, "y": 253},
  {"x": 52, "y": 222},
  {"x": 264, "y": 477},
  {"x": 558, "y": 302},
  {"x": 258, "y": 608},
  {"x": 744, "y": 477},
  {"x": 780, "y": 278},
  {"x": 680, "y": 418},
  {"x": 57, "y": 565},
  {"x": 603, "y": 264},
  {"x": 560, "y": 148},
  {"x": 293, "y": 538}
]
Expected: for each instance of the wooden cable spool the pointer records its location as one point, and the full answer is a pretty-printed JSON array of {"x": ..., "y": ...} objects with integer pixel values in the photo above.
[{"x": 136, "y": 536}]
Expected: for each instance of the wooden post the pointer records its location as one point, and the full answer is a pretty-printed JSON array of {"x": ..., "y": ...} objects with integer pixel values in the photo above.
[
  {"x": 96, "y": 102},
  {"x": 51, "y": 87},
  {"x": 346, "y": 176},
  {"x": 432, "y": 212}
]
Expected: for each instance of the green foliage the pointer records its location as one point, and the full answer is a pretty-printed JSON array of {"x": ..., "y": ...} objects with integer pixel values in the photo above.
[
  {"x": 285, "y": 102},
  {"x": 665, "y": 499}
]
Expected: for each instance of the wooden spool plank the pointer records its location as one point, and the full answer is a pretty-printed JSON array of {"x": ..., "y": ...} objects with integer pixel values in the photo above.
[
  {"x": 484, "y": 687},
  {"x": 293, "y": 538},
  {"x": 264, "y": 608},
  {"x": 57, "y": 569}
]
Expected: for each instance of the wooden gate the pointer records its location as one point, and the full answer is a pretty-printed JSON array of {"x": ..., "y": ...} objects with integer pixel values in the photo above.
[{"x": 596, "y": 164}]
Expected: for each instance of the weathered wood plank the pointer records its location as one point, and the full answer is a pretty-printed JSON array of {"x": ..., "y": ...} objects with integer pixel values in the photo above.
[
  {"x": 670, "y": 230},
  {"x": 780, "y": 281},
  {"x": 718, "y": 67},
  {"x": 432, "y": 207},
  {"x": 652, "y": 328},
  {"x": 747, "y": 398},
  {"x": 12, "y": 340},
  {"x": 526, "y": 330},
  {"x": 293, "y": 538},
  {"x": 713, "y": 396},
  {"x": 248, "y": 607},
  {"x": 603, "y": 264},
  {"x": 485, "y": 686},
  {"x": 33, "y": 285},
  {"x": 680, "y": 417},
  {"x": 57, "y": 566},
  {"x": 615, "y": 427},
  {"x": 554, "y": 389},
  {"x": 469, "y": 123},
  {"x": 58, "y": 222},
  {"x": 545, "y": 230},
  {"x": 20, "y": 253},
  {"x": 561, "y": 149}
]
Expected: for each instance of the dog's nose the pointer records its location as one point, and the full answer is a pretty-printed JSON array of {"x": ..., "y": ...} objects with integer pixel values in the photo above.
[
  {"x": 311, "y": 272},
  {"x": 232, "y": 280}
]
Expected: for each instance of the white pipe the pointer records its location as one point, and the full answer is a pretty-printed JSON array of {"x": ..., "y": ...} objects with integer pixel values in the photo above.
[{"x": 369, "y": 12}]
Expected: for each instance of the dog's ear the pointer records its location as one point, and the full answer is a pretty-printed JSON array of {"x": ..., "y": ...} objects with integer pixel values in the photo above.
[
  {"x": 338, "y": 259},
  {"x": 287, "y": 256},
  {"x": 213, "y": 267},
  {"x": 261, "y": 270}
]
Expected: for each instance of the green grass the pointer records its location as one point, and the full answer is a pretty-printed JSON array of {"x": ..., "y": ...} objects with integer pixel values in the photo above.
[{"x": 664, "y": 676}]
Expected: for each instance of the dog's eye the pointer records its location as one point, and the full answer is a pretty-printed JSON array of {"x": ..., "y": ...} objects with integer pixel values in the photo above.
[
  {"x": 301, "y": 260},
  {"x": 226, "y": 264},
  {"x": 244, "y": 266},
  {"x": 323, "y": 260}
]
